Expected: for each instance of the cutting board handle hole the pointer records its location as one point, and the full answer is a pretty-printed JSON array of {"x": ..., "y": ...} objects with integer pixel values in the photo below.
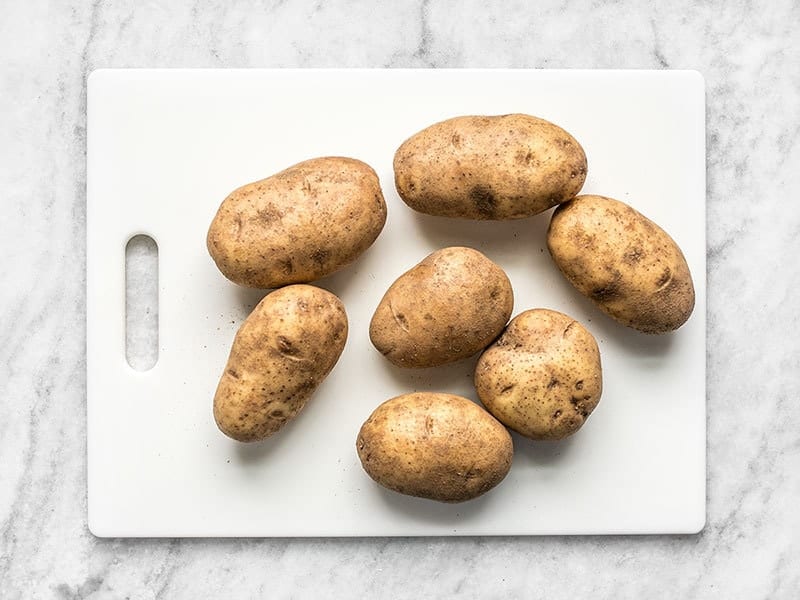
[{"x": 141, "y": 302}]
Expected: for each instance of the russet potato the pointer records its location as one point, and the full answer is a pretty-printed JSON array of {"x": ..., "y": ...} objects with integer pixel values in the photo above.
[
  {"x": 542, "y": 377},
  {"x": 299, "y": 225},
  {"x": 489, "y": 167},
  {"x": 437, "y": 446},
  {"x": 280, "y": 355},
  {"x": 622, "y": 261},
  {"x": 448, "y": 307}
]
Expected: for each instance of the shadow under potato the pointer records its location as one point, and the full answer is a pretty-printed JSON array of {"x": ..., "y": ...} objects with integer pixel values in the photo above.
[
  {"x": 253, "y": 453},
  {"x": 454, "y": 378},
  {"x": 632, "y": 342},
  {"x": 541, "y": 452},
  {"x": 499, "y": 238},
  {"x": 432, "y": 511},
  {"x": 338, "y": 282},
  {"x": 248, "y": 298}
]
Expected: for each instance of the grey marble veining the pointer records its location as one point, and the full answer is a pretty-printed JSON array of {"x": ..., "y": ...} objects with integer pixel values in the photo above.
[{"x": 748, "y": 53}]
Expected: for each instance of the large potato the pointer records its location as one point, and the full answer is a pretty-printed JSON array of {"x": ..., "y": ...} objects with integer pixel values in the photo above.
[
  {"x": 448, "y": 307},
  {"x": 542, "y": 378},
  {"x": 299, "y": 225},
  {"x": 630, "y": 267},
  {"x": 436, "y": 446},
  {"x": 280, "y": 355},
  {"x": 495, "y": 167}
]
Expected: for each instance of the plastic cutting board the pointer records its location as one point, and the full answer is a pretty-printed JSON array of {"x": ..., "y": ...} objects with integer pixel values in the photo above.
[{"x": 164, "y": 149}]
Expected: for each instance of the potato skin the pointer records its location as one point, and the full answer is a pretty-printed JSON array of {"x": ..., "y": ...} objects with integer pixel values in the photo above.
[
  {"x": 489, "y": 167},
  {"x": 298, "y": 225},
  {"x": 280, "y": 355},
  {"x": 437, "y": 446},
  {"x": 626, "y": 264},
  {"x": 543, "y": 377},
  {"x": 448, "y": 307}
]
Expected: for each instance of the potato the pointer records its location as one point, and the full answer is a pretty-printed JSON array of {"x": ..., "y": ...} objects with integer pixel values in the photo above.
[
  {"x": 280, "y": 355},
  {"x": 543, "y": 377},
  {"x": 448, "y": 307},
  {"x": 299, "y": 225},
  {"x": 489, "y": 167},
  {"x": 626, "y": 264},
  {"x": 437, "y": 446}
]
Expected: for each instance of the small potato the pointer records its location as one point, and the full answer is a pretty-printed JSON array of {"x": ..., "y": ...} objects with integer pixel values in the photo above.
[
  {"x": 542, "y": 378},
  {"x": 437, "y": 446},
  {"x": 448, "y": 307},
  {"x": 489, "y": 167},
  {"x": 626, "y": 264},
  {"x": 299, "y": 225},
  {"x": 280, "y": 355}
]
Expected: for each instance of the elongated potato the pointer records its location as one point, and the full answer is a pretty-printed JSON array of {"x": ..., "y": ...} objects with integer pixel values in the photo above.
[
  {"x": 448, "y": 307},
  {"x": 437, "y": 446},
  {"x": 280, "y": 355},
  {"x": 489, "y": 167},
  {"x": 543, "y": 377},
  {"x": 626, "y": 264},
  {"x": 299, "y": 225}
]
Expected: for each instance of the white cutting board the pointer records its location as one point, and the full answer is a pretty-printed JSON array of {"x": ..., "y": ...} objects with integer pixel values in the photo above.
[{"x": 164, "y": 149}]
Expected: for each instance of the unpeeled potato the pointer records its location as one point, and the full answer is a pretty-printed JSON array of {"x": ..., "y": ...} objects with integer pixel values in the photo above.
[
  {"x": 299, "y": 225},
  {"x": 489, "y": 167},
  {"x": 280, "y": 355},
  {"x": 433, "y": 445},
  {"x": 542, "y": 377},
  {"x": 448, "y": 307},
  {"x": 622, "y": 261}
]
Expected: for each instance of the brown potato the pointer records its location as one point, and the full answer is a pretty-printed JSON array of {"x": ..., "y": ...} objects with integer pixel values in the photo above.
[
  {"x": 437, "y": 446},
  {"x": 448, "y": 307},
  {"x": 280, "y": 355},
  {"x": 299, "y": 225},
  {"x": 543, "y": 377},
  {"x": 489, "y": 167},
  {"x": 626, "y": 264}
]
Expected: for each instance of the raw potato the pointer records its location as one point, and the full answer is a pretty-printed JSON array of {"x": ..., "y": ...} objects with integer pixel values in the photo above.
[
  {"x": 299, "y": 225},
  {"x": 630, "y": 267},
  {"x": 489, "y": 167},
  {"x": 448, "y": 307},
  {"x": 542, "y": 378},
  {"x": 281, "y": 353},
  {"x": 437, "y": 446}
]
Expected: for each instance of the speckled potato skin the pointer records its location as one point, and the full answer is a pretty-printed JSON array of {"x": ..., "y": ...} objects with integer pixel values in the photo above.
[
  {"x": 299, "y": 225},
  {"x": 626, "y": 264},
  {"x": 437, "y": 446},
  {"x": 542, "y": 377},
  {"x": 280, "y": 355},
  {"x": 489, "y": 167},
  {"x": 448, "y": 307}
]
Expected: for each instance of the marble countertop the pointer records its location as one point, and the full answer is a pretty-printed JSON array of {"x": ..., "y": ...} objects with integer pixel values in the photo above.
[{"x": 750, "y": 547}]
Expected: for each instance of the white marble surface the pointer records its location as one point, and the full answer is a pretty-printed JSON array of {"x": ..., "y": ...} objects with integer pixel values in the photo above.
[{"x": 749, "y": 56}]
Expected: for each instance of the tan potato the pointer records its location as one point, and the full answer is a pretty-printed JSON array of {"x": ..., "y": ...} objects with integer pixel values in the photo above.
[
  {"x": 630, "y": 267},
  {"x": 489, "y": 167},
  {"x": 299, "y": 225},
  {"x": 448, "y": 307},
  {"x": 280, "y": 355},
  {"x": 437, "y": 446},
  {"x": 543, "y": 377}
]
